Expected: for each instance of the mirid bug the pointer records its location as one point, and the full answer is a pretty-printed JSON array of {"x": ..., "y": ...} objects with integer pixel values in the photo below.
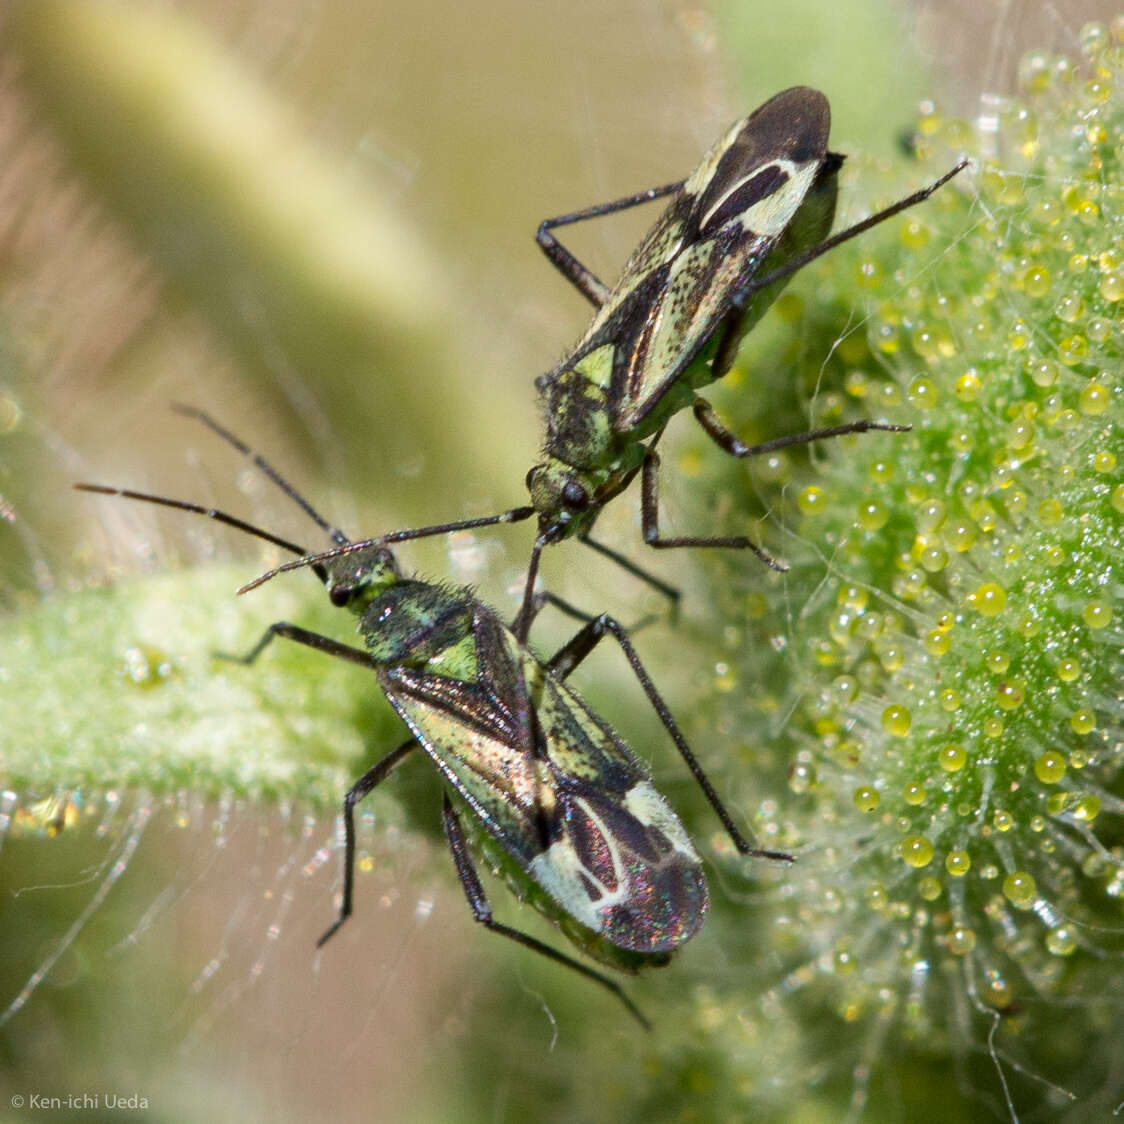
[
  {"x": 546, "y": 790},
  {"x": 757, "y": 209}
]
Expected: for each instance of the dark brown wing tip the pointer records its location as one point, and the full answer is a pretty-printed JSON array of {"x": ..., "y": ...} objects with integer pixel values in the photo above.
[{"x": 796, "y": 121}]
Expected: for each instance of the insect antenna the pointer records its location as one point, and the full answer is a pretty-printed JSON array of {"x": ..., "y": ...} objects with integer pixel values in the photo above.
[
  {"x": 800, "y": 260},
  {"x": 336, "y": 535},
  {"x": 195, "y": 509},
  {"x": 515, "y": 515},
  {"x": 262, "y": 465}
]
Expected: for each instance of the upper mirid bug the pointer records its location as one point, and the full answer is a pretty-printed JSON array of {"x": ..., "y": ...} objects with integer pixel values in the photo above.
[{"x": 757, "y": 209}]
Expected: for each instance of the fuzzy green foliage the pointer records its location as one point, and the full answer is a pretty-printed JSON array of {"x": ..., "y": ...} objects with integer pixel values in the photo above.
[{"x": 121, "y": 687}]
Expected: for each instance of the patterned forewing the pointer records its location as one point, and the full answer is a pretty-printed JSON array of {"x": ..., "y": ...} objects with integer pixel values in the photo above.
[
  {"x": 618, "y": 859},
  {"x": 731, "y": 213},
  {"x": 705, "y": 248},
  {"x": 559, "y": 790},
  {"x": 480, "y": 734}
]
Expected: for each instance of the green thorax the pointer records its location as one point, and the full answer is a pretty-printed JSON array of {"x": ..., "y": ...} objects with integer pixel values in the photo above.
[
  {"x": 416, "y": 624},
  {"x": 586, "y": 461}
]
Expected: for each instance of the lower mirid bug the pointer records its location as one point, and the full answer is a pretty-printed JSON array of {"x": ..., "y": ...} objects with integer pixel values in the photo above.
[{"x": 543, "y": 787}]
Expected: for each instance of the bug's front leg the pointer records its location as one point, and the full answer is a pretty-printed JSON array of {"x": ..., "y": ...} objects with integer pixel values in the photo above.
[
  {"x": 309, "y": 639},
  {"x": 650, "y": 520}
]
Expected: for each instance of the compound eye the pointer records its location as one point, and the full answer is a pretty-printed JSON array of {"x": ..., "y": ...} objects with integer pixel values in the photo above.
[
  {"x": 340, "y": 595},
  {"x": 529, "y": 480},
  {"x": 574, "y": 496}
]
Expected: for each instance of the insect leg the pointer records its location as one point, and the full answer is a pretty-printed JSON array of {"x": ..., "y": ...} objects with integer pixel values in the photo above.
[
  {"x": 650, "y": 519},
  {"x": 669, "y": 591},
  {"x": 722, "y": 437},
  {"x": 802, "y": 259},
  {"x": 482, "y": 912},
  {"x": 369, "y": 779},
  {"x": 592, "y": 288},
  {"x": 571, "y": 654},
  {"x": 375, "y": 775},
  {"x": 303, "y": 636},
  {"x": 547, "y": 598},
  {"x": 521, "y": 626}
]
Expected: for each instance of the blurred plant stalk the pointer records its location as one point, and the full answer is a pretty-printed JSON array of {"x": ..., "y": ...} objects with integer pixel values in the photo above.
[{"x": 301, "y": 266}]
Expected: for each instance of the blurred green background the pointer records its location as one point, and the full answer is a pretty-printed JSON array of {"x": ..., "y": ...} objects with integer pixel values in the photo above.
[{"x": 316, "y": 221}]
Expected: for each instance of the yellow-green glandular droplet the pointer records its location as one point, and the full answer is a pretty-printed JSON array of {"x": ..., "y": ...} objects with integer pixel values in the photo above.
[
  {"x": 961, "y": 941},
  {"x": 1094, "y": 400},
  {"x": 802, "y": 777},
  {"x": 896, "y": 720},
  {"x": 1061, "y": 941},
  {"x": 1050, "y": 767},
  {"x": 917, "y": 851},
  {"x": 872, "y": 515},
  {"x": 958, "y": 863},
  {"x": 1083, "y": 721},
  {"x": 1087, "y": 809},
  {"x": 949, "y": 700},
  {"x": 936, "y": 642},
  {"x": 989, "y": 599},
  {"x": 1020, "y": 889},
  {"x": 865, "y": 798},
  {"x": 952, "y": 758},
  {"x": 812, "y": 500},
  {"x": 1097, "y": 614}
]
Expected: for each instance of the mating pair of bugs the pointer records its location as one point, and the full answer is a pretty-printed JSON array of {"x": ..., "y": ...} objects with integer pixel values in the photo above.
[{"x": 545, "y": 789}]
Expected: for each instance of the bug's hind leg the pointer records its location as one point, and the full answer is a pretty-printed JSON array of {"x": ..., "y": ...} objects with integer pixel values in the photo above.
[
  {"x": 482, "y": 912},
  {"x": 571, "y": 654}
]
